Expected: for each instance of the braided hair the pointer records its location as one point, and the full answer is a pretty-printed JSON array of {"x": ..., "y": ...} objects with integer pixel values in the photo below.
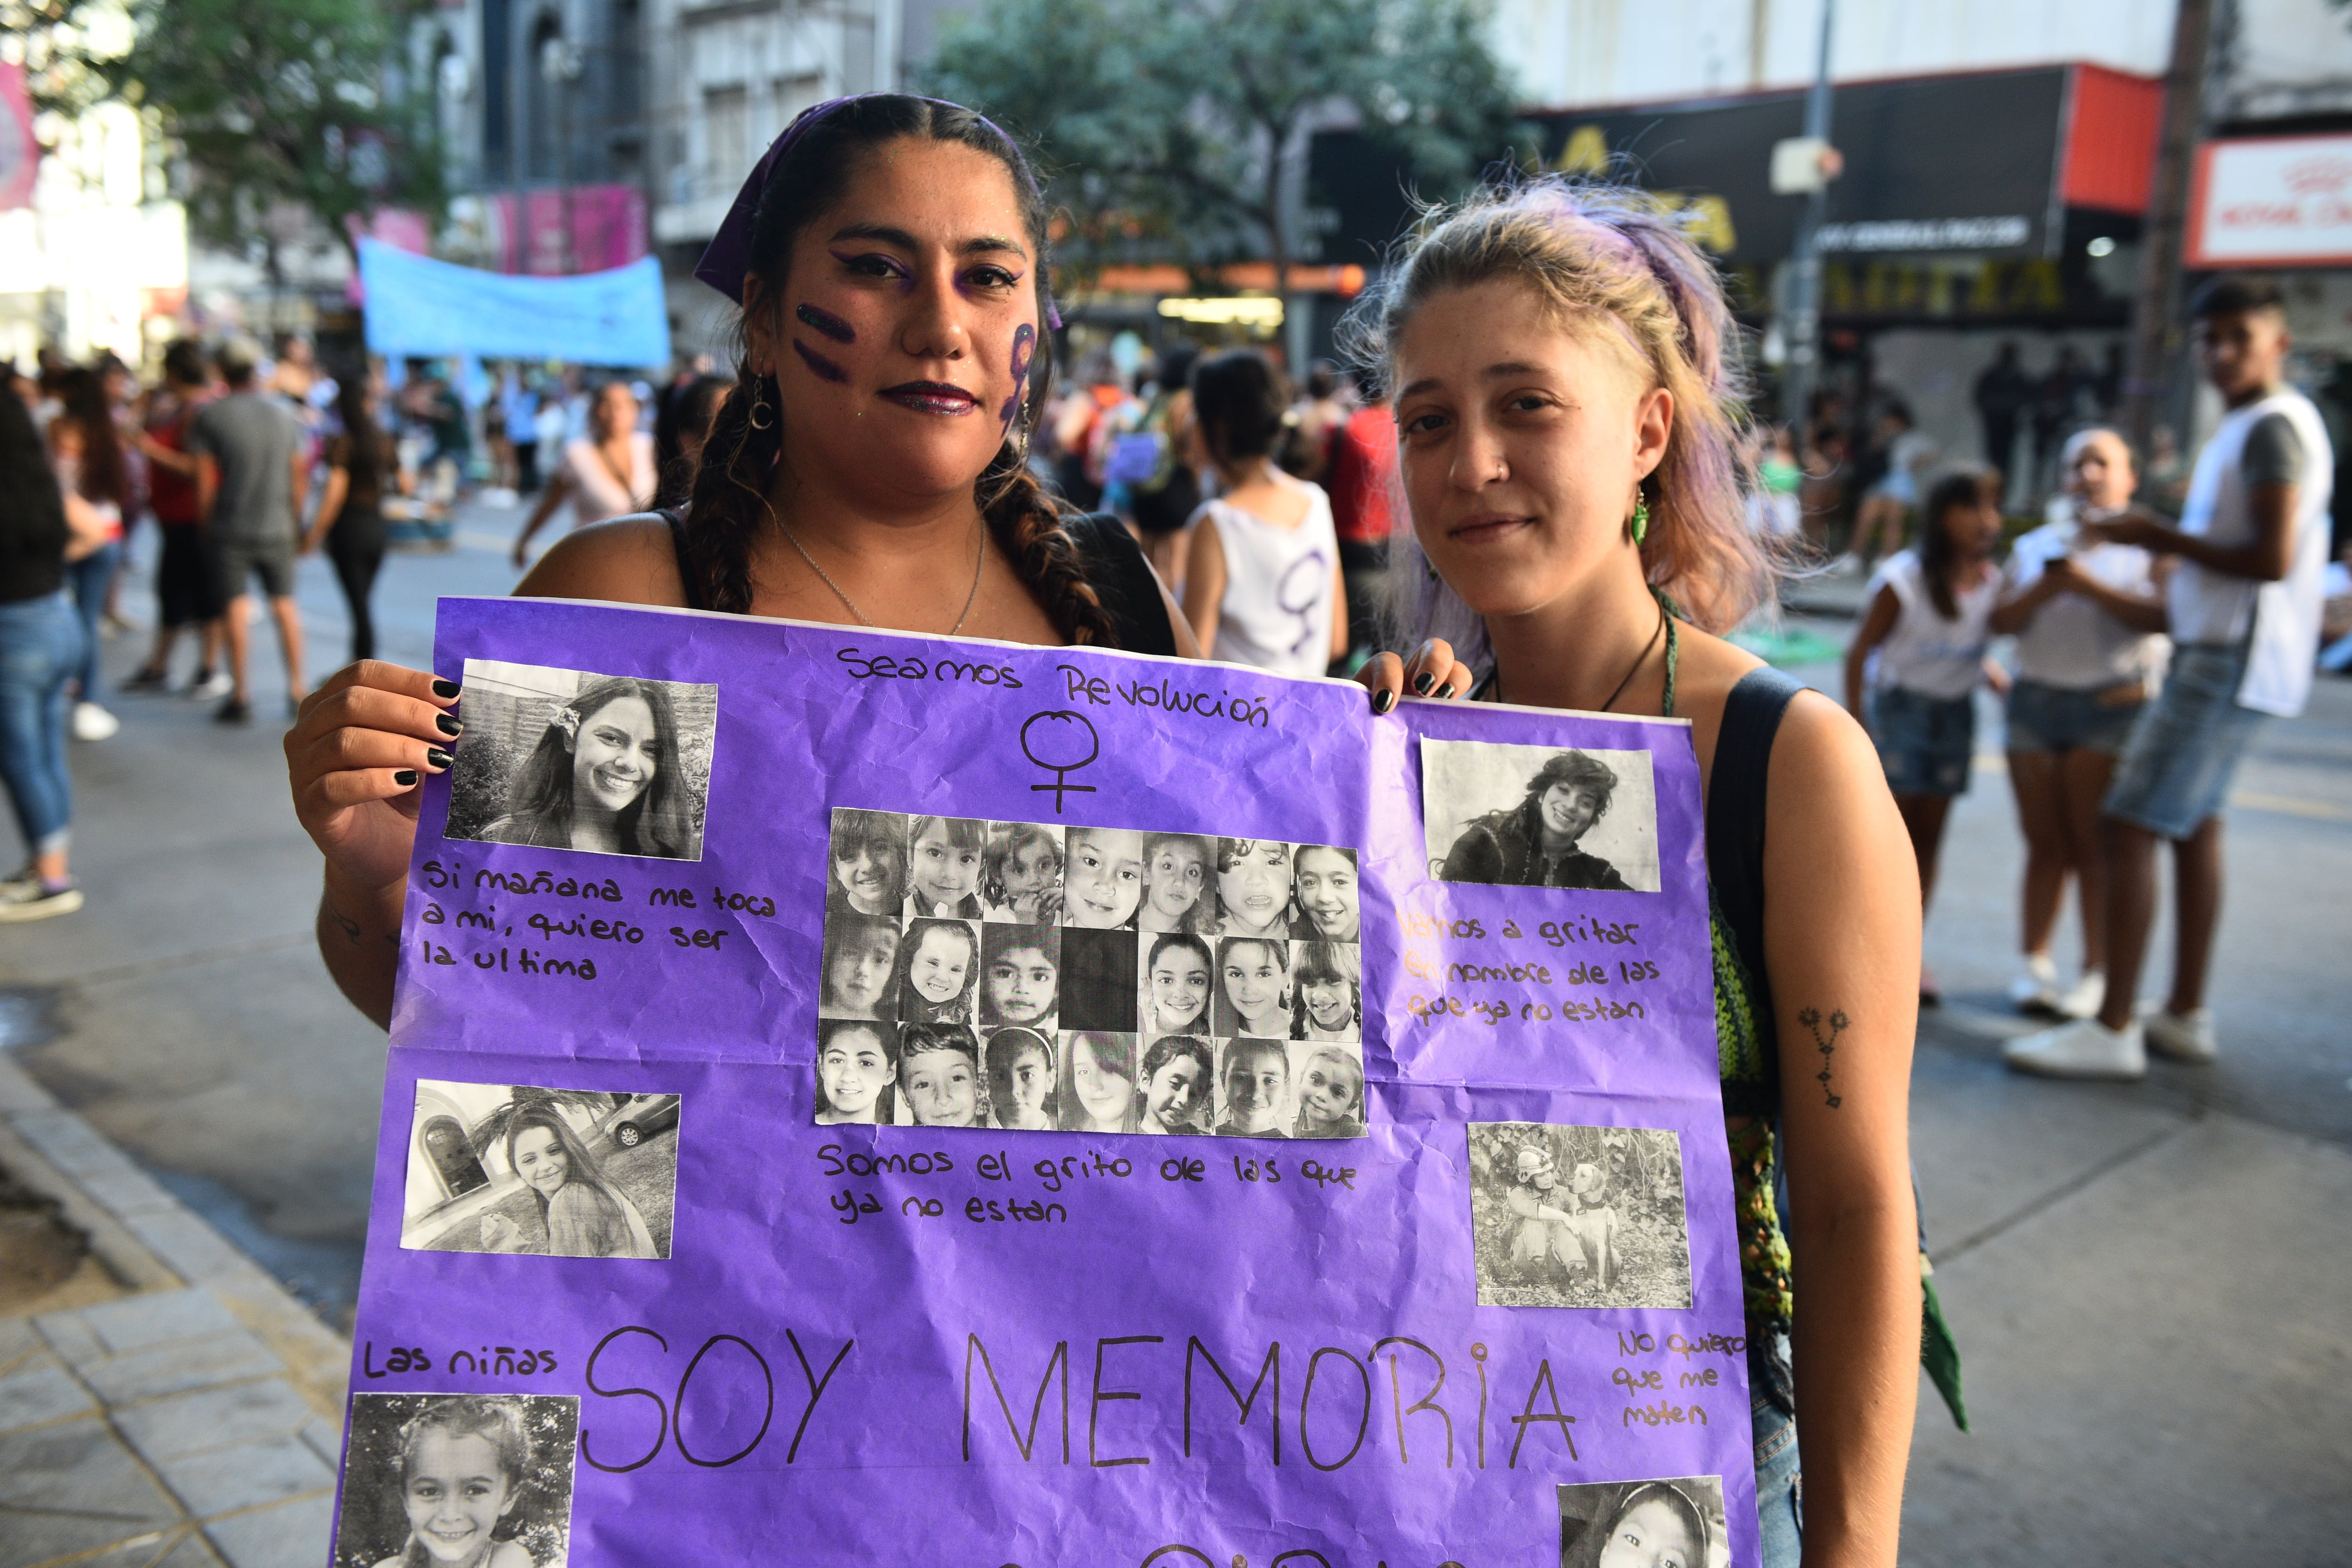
[{"x": 728, "y": 503}]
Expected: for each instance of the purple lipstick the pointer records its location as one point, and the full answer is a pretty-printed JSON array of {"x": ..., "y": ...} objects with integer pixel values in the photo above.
[{"x": 932, "y": 397}]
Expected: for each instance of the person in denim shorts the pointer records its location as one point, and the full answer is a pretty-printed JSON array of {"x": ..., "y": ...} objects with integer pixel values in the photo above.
[
  {"x": 1927, "y": 625},
  {"x": 2090, "y": 647},
  {"x": 2244, "y": 603}
]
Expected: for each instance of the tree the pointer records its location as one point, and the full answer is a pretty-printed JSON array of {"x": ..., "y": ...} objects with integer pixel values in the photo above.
[
  {"x": 272, "y": 104},
  {"x": 1176, "y": 131}
]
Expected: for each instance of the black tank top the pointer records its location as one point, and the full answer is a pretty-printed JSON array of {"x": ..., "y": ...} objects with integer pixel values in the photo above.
[{"x": 1121, "y": 578}]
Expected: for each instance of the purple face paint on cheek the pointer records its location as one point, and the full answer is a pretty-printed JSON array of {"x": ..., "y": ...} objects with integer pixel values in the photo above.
[
  {"x": 825, "y": 369},
  {"x": 1024, "y": 347},
  {"x": 825, "y": 322}
]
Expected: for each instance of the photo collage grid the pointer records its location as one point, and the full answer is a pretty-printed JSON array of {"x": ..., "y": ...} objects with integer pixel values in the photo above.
[{"x": 1034, "y": 977}]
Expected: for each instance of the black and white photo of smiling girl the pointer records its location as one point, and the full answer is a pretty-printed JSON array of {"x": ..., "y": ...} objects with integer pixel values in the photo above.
[
  {"x": 869, "y": 861},
  {"x": 563, "y": 759},
  {"x": 938, "y": 972},
  {"x": 1254, "y": 887},
  {"x": 551, "y": 1172},
  {"x": 1328, "y": 985},
  {"x": 943, "y": 875},
  {"x": 1537, "y": 817},
  {"x": 458, "y": 1480},
  {"x": 1179, "y": 894},
  {"x": 1021, "y": 874}
]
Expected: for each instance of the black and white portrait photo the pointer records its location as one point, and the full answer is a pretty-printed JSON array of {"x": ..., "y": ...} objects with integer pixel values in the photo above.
[
  {"x": 1578, "y": 1217},
  {"x": 1540, "y": 816},
  {"x": 566, "y": 759},
  {"x": 557, "y": 1172},
  {"x": 1027, "y": 978},
  {"x": 1669, "y": 1523},
  {"x": 478, "y": 1479}
]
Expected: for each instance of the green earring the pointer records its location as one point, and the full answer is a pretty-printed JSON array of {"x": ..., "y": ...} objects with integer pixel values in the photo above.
[{"x": 1641, "y": 520}]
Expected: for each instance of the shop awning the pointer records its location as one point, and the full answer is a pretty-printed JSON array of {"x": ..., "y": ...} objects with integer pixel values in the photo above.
[
  {"x": 422, "y": 309},
  {"x": 1985, "y": 163}
]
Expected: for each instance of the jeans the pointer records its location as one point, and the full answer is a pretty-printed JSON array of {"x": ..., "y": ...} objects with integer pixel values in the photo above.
[
  {"x": 41, "y": 643},
  {"x": 1780, "y": 1488},
  {"x": 87, "y": 581}
]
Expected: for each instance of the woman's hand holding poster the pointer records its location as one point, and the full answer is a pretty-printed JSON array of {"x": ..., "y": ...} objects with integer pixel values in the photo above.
[{"x": 868, "y": 1099}]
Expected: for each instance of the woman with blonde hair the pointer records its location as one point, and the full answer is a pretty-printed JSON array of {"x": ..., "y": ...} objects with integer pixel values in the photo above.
[{"x": 1570, "y": 452}]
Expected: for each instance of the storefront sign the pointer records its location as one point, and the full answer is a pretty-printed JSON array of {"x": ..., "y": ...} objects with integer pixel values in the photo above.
[{"x": 2280, "y": 201}]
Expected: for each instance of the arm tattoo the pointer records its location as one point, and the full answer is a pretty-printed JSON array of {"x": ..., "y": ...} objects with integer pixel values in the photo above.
[
  {"x": 344, "y": 923},
  {"x": 1811, "y": 1019}
]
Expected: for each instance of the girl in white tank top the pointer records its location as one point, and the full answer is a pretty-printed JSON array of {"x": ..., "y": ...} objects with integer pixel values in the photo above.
[{"x": 1262, "y": 578}]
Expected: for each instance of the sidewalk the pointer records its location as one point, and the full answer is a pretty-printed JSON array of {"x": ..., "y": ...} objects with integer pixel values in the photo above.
[{"x": 195, "y": 1420}]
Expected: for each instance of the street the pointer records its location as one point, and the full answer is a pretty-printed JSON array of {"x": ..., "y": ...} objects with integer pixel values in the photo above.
[{"x": 2148, "y": 1282}]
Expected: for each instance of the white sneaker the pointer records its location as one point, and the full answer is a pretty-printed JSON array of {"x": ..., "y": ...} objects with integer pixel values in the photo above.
[
  {"x": 2035, "y": 989},
  {"x": 2183, "y": 1037},
  {"x": 2087, "y": 1048},
  {"x": 2084, "y": 997},
  {"x": 212, "y": 686},
  {"x": 91, "y": 723}
]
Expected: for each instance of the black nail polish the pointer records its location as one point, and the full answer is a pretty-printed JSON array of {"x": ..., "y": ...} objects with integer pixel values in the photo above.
[
  {"x": 448, "y": 725},
  {"x": 1423, "y": 681},
  {"x": 1383, "y": 700},
  {"x": 405, "y": 778},
  {"x": 437, "y": 759},
  {"x": 444, "y": 688}
]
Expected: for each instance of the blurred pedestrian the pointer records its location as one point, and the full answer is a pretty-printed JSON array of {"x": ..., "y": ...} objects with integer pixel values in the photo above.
[
  {"x": 1821, "y": 495},
  {"x": 2002, "y": 395},
  {"x": 40, "y": 644},
  {"x": 1162, "y": 503},
  {"x": 1363, "y": 489},
  {"x": 610, "y": 472},
  {"x": 250, "y": 485},
  {"x": 1885, "y": 515},
  {"x": 2089, "y": 625},
  {"x": 519, "y": 411},
  {"x": 362, "y": 463},
  {"x": 187, "y": 583},
  {"x": 1778, "y": 508},
  {"x": 95, "y": 481},
  {"x": 1320, "y": 412},
  {"x": 1262, "y": 582},
  {"x": 2056, "y": 408},
  {"x": 1927, "y": 626},
  {"x": 122, "y": 402},
  {"x": 681, "y": 425},
  {"x": 2244, "y": 601}
]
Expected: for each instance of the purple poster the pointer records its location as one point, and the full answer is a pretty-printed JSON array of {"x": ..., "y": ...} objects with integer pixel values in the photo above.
[{"x": 862, "y": 1098}]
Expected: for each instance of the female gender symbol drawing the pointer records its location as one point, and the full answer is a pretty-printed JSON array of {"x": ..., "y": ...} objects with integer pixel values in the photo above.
[
  {"x": 1063, "y": 743},
  {"x": 1300, "y": 592}
]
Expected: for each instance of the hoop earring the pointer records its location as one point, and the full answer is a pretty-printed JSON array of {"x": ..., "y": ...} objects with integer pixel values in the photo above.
[
  {"x": 761, "y": 405},
  {"x": 1641, "y": 520}
]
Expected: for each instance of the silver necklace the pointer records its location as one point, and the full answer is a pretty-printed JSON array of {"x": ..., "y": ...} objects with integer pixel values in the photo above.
[{"x": 851, "y": 604}]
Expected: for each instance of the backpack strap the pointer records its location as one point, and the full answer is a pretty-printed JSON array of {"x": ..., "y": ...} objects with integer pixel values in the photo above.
[
  {"x": 1125, "y": 582},
  {"x": 1734, "y": 816},
  {"x": 676, "y": 517}
]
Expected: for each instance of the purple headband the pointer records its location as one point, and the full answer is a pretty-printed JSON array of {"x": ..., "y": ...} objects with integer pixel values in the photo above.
[{"x": 728, "y": 258}]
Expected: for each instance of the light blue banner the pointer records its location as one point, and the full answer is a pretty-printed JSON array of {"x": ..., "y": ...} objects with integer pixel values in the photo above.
[{"x": 423, "y": 307}]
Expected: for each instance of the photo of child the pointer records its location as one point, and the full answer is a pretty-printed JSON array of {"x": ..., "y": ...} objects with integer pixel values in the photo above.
[
  {"x": 943, "y": 874},
  {"x": 1099, "y": 980},
  {"x": 1254, "y": 887},
  {"x": 470, "y": 1480},
  {"x": 1255, "y": 1079},
  {"x": 1176, "y": 894},
  {"x": 1020, "y": 975},
  {"x": 1098, "y": 1086},
  {"x": 1330, "y": 1093},
  {"x": 939, "y": 1076},
  {"x": 938, "y": 970},
  {"x": 1173, "y": 1090},
  {"x": 861, "y": 958},
  {"x": 1177, "y": 973},
  {"x": 1329, "y": 983},
  {"x": 1323, "y": 886},
  {"x": 1021, "y": 873},
  {"x": 869, "y": 859},
  {"x": 1537, "y": 817},
  {"x": 1254, "y": 987},
  {"x": 856, "y": 1062},
  {"x": 1673, "y": 1524},
  {"x": 1104, "y": 879},
  {"x": 1578, "y": 1217},
  {"x": 550, "y": 1173},
  {"x": 1021, "y": 1090}
]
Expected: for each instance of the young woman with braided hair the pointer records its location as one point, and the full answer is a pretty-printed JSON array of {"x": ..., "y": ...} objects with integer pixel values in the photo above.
[{"x": 869, "y": 468}]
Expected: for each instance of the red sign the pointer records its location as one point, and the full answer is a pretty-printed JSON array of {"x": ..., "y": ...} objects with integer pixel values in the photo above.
[
  {"x": 20, "y": 155},
  {"x": 2271, "y": 201}
]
